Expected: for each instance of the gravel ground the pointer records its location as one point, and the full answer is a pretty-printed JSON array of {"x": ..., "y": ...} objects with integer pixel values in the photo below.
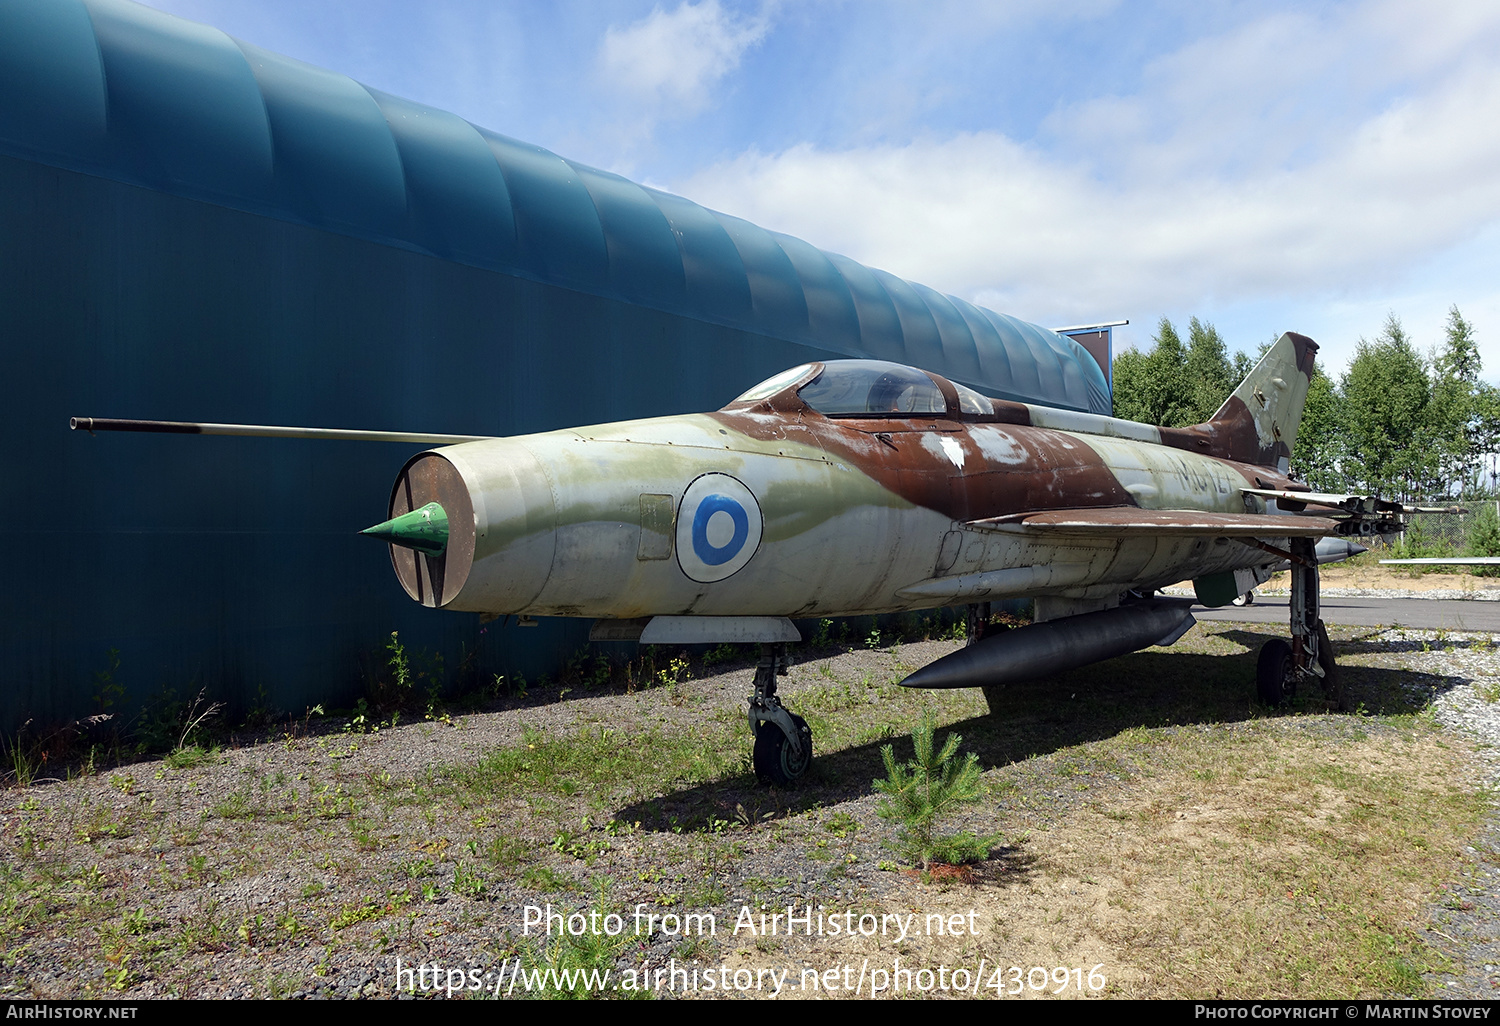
[
  {"x": 1434, "y": 594},
  {"x": 1466, "y": 925},
  {"x": 304, "y": 864},
  {"x": 228, "y": 890}
]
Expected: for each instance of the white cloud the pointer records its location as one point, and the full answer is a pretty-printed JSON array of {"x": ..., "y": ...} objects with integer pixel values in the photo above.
[
  {"x": 671, "y": 60},
  {"x": 1288, "y": 160}
]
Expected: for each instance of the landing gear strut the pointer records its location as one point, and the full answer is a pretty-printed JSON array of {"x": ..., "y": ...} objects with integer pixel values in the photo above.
[
  {"x": 976, "y": 622},
  {"x": 783, "y": 741},
  {"x": 1281, "y": 667},
  {"x": 976, "y": 629}
]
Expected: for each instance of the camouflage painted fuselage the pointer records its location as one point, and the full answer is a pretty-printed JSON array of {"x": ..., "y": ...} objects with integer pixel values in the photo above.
[{"x": 769, "y": 508}]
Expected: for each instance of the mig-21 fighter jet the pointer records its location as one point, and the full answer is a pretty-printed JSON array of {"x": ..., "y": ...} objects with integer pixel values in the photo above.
[{"x": 858, "y": 487}]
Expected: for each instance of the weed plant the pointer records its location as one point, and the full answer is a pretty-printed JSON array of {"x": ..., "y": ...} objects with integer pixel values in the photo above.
[
  {"x": 725, "y": 653},
  {"x": 412, "y": 682},
  {"x": 576, "y": 968}
]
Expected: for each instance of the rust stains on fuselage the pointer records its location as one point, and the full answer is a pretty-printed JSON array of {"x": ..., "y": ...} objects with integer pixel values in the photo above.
[
  {"x": 964, "y": 470},
  {"x": 1230, "y": 435},
  {"x": 972, "y": 471},
  {"x": 981, "y": 467}
]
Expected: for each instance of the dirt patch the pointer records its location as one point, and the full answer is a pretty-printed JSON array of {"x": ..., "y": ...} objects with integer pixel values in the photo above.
[
  {"x": 1364, "y": 575},
  {"x": 1208, "y": 876},
  {"x": 1381, "y": 578}
]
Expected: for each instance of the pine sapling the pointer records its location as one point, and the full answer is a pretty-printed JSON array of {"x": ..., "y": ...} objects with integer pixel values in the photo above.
[{"x": 921, "y": 791}]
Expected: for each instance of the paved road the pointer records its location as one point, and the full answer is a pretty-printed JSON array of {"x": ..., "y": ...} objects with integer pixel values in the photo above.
[{"x": 1370, "y": 611}]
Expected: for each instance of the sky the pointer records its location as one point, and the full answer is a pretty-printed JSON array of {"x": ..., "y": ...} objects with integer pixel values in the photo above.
[{"x": 1264, "y": 166}]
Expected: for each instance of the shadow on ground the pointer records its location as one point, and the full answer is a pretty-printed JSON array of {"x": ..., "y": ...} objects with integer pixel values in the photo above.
[{"x": 1151, "y": 689}]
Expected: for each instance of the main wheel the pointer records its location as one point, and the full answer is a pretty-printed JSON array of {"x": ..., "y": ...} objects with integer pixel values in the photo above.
[
  {"x": 1333, "y": 680},
  {"x": 774, "y": 761},
  {"x": 1274, "y": 681},
  {"x": 1247, "y": 599}
]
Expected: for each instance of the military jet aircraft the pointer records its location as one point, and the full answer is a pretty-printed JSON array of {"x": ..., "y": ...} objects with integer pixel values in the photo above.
[
  {"x": 862, "y": 487},
  {"x": 857, "y": 487}
]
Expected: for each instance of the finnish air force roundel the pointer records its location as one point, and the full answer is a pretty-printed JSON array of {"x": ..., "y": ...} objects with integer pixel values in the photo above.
[{"x": 718, "y": 528}]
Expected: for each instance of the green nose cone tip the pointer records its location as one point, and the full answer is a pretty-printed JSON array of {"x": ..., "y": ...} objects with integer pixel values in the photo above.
[{"x": 425, "y": 530}]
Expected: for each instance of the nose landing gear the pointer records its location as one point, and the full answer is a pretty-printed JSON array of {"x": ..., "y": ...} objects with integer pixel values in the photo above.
[{"x": 783, "y": 741}]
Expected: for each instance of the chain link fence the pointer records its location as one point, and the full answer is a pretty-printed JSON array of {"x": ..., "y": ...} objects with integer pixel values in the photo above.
[{"x": 1443, "y": 530}]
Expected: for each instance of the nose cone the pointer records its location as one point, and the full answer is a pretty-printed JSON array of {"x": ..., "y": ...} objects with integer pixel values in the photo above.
[{"x": 425, "y": 530}]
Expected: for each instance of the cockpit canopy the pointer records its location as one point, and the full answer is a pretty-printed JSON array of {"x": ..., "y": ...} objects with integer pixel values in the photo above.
[{"x": 870, "y": 388}]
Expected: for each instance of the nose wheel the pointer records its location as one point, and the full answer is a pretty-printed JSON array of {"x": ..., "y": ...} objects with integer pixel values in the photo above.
[
  {"x": 783, "y": 741},
  {"x": 777, "y": 760}
]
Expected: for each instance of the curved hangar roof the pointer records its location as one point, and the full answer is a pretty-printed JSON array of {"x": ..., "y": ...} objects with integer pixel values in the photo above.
[{"x": 122, "y": 91}]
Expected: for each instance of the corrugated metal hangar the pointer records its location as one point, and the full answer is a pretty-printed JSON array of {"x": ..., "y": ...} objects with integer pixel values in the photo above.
[{"x": 193, "y": 228}]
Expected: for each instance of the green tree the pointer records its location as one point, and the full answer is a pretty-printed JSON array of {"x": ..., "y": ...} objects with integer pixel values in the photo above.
[
  {"x": 1209, "y": 374},
  {"x": 1454, "y": 414},
  {"x": 1166, "y": 387},
  {"x": 1322, "y": 447},
  {"x": 1175, "y": 384},
  {"x": 1459, "y": 357},
  {"x": 1386, "y": 393},
  {"x": 1128, "y": 374},
  {"x": 1487, "y": 425},
  {"x": 1484, "y": 537},
  {"x": 1243, "y": 365},
  {"x": 1484, "y": 530}
]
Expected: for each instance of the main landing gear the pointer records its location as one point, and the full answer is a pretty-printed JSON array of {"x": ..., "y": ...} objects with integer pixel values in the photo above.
[
  {"x": 976, "y": 629},
  {"x": 783, "y": 741},
  {"x": 1282, "y": 667},
  {"x": 976, "y": 622}
]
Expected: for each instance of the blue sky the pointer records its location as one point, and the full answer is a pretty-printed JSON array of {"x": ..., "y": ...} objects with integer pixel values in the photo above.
[{"x": 1263, "y": 166}]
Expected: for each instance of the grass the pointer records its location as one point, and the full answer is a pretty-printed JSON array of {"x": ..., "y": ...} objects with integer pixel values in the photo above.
[
  {"x": 1157, "y": 822},
  {"x": 602, "y": 759},
  {"x": 1231, "y": 847}
]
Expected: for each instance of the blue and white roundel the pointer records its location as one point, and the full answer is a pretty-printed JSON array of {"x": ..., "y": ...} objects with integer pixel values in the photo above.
[{"x": 718, "y": 528}]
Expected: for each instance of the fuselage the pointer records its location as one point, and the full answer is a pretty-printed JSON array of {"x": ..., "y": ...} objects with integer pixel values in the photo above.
[{"x": 775, "y": 506}]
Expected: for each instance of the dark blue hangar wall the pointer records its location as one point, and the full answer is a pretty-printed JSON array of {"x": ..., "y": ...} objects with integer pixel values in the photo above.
[{"x": 192, "y": 228}]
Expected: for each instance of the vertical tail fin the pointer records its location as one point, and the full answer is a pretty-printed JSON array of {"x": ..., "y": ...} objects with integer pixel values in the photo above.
[{"x": 1258, "y": 422}]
